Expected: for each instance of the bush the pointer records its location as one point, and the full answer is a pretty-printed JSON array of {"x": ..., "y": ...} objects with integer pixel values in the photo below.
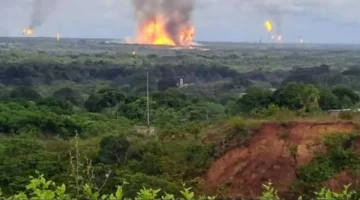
[{"x": 346, "y": 115}]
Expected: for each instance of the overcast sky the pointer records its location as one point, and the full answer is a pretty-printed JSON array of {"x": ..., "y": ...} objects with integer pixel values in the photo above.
[{"x": 319, "y": 21}]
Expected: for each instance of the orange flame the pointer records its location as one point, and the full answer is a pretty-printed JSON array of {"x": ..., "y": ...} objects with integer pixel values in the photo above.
[
  {"x": 155, "y": 33},
  {"x": 28, "y": 31}
]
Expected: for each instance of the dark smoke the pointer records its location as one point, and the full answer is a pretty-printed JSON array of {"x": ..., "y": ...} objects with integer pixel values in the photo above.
[
  {"x": 178, "y": 13},
  {"x": 42, "y": 9}
]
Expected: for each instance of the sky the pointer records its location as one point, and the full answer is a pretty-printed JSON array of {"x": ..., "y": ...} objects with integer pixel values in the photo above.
[{"x": 316, "y": 21}]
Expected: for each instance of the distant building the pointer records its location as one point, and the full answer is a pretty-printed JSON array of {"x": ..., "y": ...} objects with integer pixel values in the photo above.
[{"x": 181, "y": 83}]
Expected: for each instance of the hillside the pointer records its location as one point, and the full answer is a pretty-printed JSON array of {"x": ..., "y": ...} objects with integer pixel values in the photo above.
[{"x": 277, "y": 152}]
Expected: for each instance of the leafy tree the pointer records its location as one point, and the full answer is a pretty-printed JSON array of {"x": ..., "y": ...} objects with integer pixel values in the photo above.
[
  {"x": 104, "y": 99},
  {"x": 58, "y": 106},
  {"x": 136, "y": 110},
  {"x": 255, "y": 98},
  {"x": 25, "y": 93},
  {"x": 166, "y": 116},
  {"x": 240, "y": 81},
  {"x": 20, "y": 158},
  {"x": 166, "y": 83},
  {"x": 195, "y": 113},
  {"x": 346, "y": 96},
  {"x": 309, "y": 97},
  {"x": 110, "y": 98},
  {"x": 328, "y": 100},
  {"x": 232, "y": 108},
  {"x": 297, "y": 96},
  {"x": 114, "y": 149},
  {"x": 68, "y": 94},
  {"x": 170, "y": 99}
]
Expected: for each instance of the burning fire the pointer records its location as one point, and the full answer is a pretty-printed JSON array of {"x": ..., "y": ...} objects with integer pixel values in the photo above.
[
  {"x": 58, "y": 37},
  {"x": 28, "y": 31},
  {"x": 268, "y": 26},
  {"x": 155, "y": 33}
]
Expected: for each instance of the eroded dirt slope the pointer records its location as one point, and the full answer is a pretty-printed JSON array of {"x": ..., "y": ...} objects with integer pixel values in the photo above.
[{"x": 270, "y": 155}]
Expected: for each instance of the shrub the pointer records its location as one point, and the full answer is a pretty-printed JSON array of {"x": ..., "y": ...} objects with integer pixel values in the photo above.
[{"x": 347, "y": 115}]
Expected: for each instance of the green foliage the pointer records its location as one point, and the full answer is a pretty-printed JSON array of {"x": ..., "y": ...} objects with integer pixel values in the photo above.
[
  {"x": 136, "y": 110},
  {"x": 328, "y": 100},
  {"x": 187, "y": 193},
  {"x": 297, "y": 96},
  {"x": 270, "y": 193},
  {"x": 25, "y": 93},
  {"x": 168, "y": 196},
  {"x": 89, "y": 194},
  {"x": 106, "y": 98},
  {"x": 346, "y": 96},
  {"x": 232, "y": 108},
  {"x": 338, "y": 158},
  {"x": 140, "y": 180},
  {"x": 119, "y": 194},
  {"x": 326, "y": 193},
  {"x": 272, "y": 112},
  {"x": 255, "y": 98},
  {"x": 40, "y": 188},
  {"x": 346, "y": 115},
  {"x": 68, "y": 94},
  {"x": 150, "y": 194},
  {"x": 114, "y": 149},
  {"x": 37, "y": 122},
  {"x": 19, "y": 158},
  {"x": 195, "y": 113}
]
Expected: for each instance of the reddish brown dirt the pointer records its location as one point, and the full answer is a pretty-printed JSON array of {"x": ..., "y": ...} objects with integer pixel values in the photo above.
[{"x": 268, "y": 157}]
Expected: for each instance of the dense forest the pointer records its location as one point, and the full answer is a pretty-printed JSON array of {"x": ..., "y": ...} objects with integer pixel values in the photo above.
[{"x": 81, "y": 119}]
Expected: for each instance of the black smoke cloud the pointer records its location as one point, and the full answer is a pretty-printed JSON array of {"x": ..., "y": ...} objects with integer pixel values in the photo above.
[
  {"x": 177, "y": 13},
  {"x": 42, "y": 9}
]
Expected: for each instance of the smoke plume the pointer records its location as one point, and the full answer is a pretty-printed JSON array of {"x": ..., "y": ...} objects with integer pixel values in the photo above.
[
  {"x": 42, "y": 9},
  {"x": 177, "y": 14}
]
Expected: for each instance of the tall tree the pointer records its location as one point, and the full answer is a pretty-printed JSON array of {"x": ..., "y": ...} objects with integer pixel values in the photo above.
[{"x": 255, "y": 98}]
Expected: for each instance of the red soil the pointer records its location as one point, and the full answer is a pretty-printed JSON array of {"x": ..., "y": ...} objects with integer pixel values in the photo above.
[{"x": 269, "y": 157}]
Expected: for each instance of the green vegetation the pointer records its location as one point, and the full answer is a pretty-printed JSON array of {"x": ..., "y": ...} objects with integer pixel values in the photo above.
[
  {"x": 76, "y": 111},
  {"x": 340, "y": 156},
  {"x": 40, "y": 188}
]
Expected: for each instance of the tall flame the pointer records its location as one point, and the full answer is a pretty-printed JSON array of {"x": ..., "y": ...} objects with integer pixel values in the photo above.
[
  {"x": 154, "y": 32},
  {"x": 57, "y": 37},
  {"x": 28, "y": 31},
  {"x": 302, "y": 41},
  {"x": 268, "y": 26}
]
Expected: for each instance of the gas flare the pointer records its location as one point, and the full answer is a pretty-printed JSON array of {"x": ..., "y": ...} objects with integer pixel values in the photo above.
[
  {"x": 164, "y": 22},
  {"x": 57, "y": 37},
  {"x": 155, "y": 33},
  {"x": 268, "y": 26},
  {"x": 28, "y": 31}
]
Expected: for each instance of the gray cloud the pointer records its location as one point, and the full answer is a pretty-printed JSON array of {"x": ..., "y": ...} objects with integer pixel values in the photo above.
[{"x": 41, "y": 10}]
